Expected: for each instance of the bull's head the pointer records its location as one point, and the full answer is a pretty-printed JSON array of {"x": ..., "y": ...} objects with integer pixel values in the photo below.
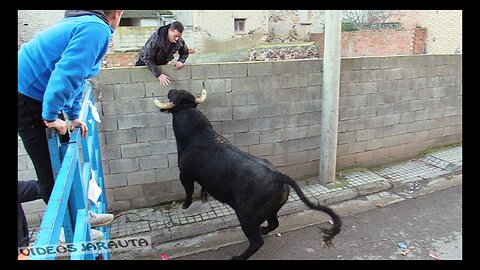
[{"x": 180, "y": 97}]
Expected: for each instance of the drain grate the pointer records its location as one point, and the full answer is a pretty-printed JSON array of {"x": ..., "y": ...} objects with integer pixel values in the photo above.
[
  {"x": 437, "y": 162},
  {"x": 445, "y": 158}
]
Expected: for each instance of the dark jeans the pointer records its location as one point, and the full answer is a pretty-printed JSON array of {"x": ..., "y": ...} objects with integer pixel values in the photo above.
[
  {"x": 27, "y": 191},
  {"x": 31, "y": 129}
]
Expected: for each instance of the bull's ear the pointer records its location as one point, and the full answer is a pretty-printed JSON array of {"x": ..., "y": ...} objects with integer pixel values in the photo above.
[
  {"x": 202, "y": 97},
  {"x": 171, "y": 93}
]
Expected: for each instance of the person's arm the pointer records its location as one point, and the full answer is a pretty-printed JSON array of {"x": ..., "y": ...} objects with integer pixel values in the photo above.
[
  {"x": 87, "y": 46},
  {"x": 72, "y": 109},
  {"x": 151, "y": 49},
  {"x": 183, "y": 52}
]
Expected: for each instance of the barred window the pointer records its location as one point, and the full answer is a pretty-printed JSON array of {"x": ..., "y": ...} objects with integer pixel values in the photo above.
[{"x": 239, "y": 25}]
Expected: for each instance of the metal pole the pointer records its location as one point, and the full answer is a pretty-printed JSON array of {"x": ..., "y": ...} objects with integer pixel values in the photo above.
[
  {"x": 330, "y": 96},
  {"x": 158, "y": 19}
]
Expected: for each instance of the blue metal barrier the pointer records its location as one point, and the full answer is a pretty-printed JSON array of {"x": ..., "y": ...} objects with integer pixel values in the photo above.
[{"x": 69, "y": 204}]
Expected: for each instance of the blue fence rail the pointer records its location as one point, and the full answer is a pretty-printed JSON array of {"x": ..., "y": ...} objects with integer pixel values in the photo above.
[{"x": 74, "y": 164}]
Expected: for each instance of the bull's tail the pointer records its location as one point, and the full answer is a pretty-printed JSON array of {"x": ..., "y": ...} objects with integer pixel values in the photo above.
[{"x": 337, "y": 222}]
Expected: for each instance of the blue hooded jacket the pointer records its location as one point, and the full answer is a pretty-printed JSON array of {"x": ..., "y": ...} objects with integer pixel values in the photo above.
[{"x": 53, "y": 66}]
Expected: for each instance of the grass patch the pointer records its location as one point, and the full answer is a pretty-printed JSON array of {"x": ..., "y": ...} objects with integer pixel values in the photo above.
[
  {"x": 352, "y": 169},
  {"x": 339, "y": 183},
  {"x": 437, "y": 149},
  {"x": 341, "y": 174}
]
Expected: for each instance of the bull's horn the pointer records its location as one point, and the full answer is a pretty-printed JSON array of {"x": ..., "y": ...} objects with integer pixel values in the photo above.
[
  {"x": 164, "y": 106},
  {"x": 202, "y": 97}
]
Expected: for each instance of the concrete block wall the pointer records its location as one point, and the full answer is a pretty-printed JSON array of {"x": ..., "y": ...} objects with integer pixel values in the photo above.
[
  {"x": 391, "y": 108},
  {"x": 251, "y": 104},
  {"x": 34, "y": 210}
]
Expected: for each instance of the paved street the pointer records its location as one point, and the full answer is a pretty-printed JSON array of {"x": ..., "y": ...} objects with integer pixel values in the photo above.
[
  {"x": 430, "y": 223},
  {"x": 416, "y": 203}
]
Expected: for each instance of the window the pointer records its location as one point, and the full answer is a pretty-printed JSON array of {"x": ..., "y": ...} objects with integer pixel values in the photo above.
[
  {"x": 239, "y": 26},
  {"x": 126, "y": 22}
]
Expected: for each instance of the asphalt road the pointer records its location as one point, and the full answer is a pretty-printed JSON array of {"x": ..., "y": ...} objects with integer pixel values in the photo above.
[{"x": 429, "y": 225}]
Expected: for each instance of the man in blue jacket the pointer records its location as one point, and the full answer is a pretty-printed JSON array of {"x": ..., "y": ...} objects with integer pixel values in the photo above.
[{"x": 52, "y": 71}]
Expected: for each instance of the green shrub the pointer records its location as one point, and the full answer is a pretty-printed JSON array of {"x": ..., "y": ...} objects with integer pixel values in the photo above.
[{"x": 348, "y": 26}]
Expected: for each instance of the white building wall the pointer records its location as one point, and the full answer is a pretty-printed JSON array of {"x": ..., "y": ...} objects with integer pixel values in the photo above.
[
  {"x": 444, "y": 31},
  {"x": 149, "y": 22},
  {"x": 214, "y": 29},
  {"x": 33, "y": 21},
  {"x": 186, "y": 18},
  {"x": 298, "y": 23}
]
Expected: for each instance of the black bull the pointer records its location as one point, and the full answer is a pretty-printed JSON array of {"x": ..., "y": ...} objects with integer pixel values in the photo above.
[{"x": 252, "y": 186}]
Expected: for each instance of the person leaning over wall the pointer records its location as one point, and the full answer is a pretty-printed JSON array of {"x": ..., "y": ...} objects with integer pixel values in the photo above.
[{"x": 160, "y": 48}]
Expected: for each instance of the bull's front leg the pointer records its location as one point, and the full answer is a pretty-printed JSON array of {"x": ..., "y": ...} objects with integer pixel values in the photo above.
[{"x": 187, "y": 183}]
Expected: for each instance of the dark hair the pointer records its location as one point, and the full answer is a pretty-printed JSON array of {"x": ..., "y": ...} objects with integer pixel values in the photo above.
[
  {"x": 176, "y": 25},
  {"x": 108, "y": 11}
]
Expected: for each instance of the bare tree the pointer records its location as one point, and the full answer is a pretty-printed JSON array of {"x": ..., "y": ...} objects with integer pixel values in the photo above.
[{"x": 371, "y": 19}]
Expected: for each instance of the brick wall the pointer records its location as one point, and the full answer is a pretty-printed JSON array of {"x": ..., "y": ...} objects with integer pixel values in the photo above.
[
  {"x": 125, "y": 59},
  {"x": 391, "y": 108},
  {"x": 378, "y": 43},
  {"x": 419, "y": 41}
]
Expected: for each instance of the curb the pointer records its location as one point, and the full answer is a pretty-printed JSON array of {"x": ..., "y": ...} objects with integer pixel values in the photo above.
[
  {"x": 220, "y": 234},
  {"x": 353, "y": 191},
  {"x": 402, "y": 181}
]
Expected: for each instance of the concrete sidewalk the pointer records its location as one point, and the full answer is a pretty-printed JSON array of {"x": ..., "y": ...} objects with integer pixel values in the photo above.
[{"x": 169, "y": 223}]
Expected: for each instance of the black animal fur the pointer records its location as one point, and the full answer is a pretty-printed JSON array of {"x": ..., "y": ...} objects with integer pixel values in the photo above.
[{"x": 252, "y": 186}]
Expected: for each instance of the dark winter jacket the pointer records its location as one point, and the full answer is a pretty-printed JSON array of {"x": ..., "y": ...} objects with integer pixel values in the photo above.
[{"x": 159, "y": 51}]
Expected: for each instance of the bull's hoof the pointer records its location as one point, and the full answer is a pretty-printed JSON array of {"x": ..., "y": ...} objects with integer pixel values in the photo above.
[
  {"x": 186, "y": 205},
  {"x": 264, "y": 230}
]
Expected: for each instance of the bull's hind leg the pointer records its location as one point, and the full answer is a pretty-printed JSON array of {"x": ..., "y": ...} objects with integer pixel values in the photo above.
[
  {"x": 187, "y": 183},
  {"x": 273, "y": 218},
  {"x": 272, "y": 224},
  {"x": 256, "y": 241},
  {"x": 250, "y": 223}
]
